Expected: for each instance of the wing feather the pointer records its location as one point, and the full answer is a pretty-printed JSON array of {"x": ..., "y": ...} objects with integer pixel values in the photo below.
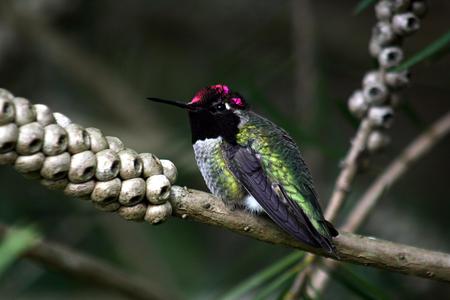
[{"x": 284, "y": 211}]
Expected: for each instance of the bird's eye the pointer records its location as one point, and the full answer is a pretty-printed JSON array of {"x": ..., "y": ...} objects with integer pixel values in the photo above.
[{"x": 220, "y": 107}]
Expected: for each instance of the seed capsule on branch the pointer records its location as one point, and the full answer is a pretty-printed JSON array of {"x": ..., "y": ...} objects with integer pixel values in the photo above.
[
  {"x": 374, "y": 47},
  {"x": 7, "y": 109},
  {"x": 30, "y": 138},
  {"x": 78, "y": 138},
  {"x": 156, "y": 214},
  {"x": 62, "y": 120},
  {"x": 24, "y": 111},
  {"x": 383, "y": 33},
  {"x": 357, "y": 104},
  {"x": 130, "y": 164},
  {"x": 151, "y": 165},
  {"x": 406, "y": 23},
  {"x": 98, "y": 140},
  {"x": 56, "y": 167},
  {"x": 132, "y": 191},
  {"x": 8, "y": 137},
  {"x": 80, "y": 190},
  {"x": 419, "y": 8},
  {"x": 29, "y": 163},
  {"x": 106, "y": 192},
  {"x": 56, "y": 185},
  {"x": 377, "y": 141},
  {"x": 373, "y": 76},
  {"x": 390, "y": 57},
  {"x": 375, "y": 93},
  {"x": 82, "y": 167},
  {"x": 133, "y": 213},
  {"x": 158, "y": 189},
  {"x": 108, "y": 165},
  {"x": 55, "y": 140},
  {"x": 169, "y": 170},
  {"x": 44, "y": 115},
  {"x": 397, "y": 80},
  {"x": 8, "y": 158},
  {"x": 384, "y": 10},
  {"x": 110, "y": 207},
  {"x": 115, "y": 143},
  {"x": 382, "y": 116},
  {"x": 6, "y": 94}
]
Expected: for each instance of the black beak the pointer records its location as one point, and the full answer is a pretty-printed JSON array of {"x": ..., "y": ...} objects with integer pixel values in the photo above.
[{"x": 172, "y": 102}]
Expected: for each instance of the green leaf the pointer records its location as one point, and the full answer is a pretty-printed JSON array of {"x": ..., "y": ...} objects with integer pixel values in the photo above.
[
  {"x": 425, "y": 53},
  {"x": 362, "y": 5},
  {"x": 357, "y": 284},
  {"x": 281, "y": 280},
  {"x": 16, "y": 242},
  {"x": 263, "y": 276}
]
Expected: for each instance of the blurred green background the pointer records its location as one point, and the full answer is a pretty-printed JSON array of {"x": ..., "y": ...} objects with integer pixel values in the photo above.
[{"x": 296, "y": 62}]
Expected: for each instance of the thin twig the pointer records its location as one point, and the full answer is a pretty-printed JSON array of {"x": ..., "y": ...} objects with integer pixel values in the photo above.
[
  {"x": 348, "y": 172},
  {"x": 90, "y": 270},
  {"x": 399, "y": 166},
  {"x": 205, "y": 208}
]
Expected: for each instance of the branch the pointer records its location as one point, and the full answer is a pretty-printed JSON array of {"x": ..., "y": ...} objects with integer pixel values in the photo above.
[
  {"x": 89, "y": 269},
  {"x": 205, "y": 208},
  {"x": 399, "y": 166}
]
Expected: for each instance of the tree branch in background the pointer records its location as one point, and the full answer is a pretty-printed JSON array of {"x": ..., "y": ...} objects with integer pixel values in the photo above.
[
  {"x": 399, "y": 166},
  {"x": 90, "y": 270}
]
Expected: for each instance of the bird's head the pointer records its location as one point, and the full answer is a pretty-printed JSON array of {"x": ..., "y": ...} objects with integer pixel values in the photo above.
[{"x": 213, "y": 111}]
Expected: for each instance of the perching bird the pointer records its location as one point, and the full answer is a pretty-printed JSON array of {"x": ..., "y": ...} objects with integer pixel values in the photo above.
[{"x": 250, "y": 162}]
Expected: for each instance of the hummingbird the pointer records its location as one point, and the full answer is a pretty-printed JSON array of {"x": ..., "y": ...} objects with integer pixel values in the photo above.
[{"x": 251, "y": 163}]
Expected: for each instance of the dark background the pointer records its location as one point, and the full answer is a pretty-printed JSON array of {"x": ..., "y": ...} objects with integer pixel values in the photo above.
[{"x": 96, "y": 61}]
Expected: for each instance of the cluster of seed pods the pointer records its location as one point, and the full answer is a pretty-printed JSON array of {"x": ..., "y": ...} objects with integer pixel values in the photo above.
[
  {"x": 82, "y": 162},
  {"x": 379, "y": 95}
]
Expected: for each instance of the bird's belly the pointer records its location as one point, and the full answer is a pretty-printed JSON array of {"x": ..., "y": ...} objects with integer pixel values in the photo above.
[{"x": 213, "y": 166}]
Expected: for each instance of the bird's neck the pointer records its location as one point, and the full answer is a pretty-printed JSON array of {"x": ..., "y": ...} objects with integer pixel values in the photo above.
[{"x": 205, "y": 125}]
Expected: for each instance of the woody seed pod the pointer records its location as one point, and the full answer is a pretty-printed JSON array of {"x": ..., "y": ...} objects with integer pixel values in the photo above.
[
  {"x": 30, "y": 139},
  {"x": 62, "y": 120},
  {"x": 357, "y": 104},
  {"x": 158, "y": 189},
  {"x": 115, "y": 143},
  {"x": 406, "y": 23},
  {"x": 382, "y": 116},
  {"x": 98, "y": 141},
  {"x": 7, "y": 110},
  {"x": 132, "y": 191},
  {"x": 108, "y": 165},
  {"x": 78, "y": 139},
  {"x": 390, "y": 57},
  {"x": 56, "y": 167},
  {"x": 24, "y": 111},
  {"x": 156, "y": 214},
  {"x": 44, "y": 115},
  {"x": 377, "y": 140},
  {"x": 55, "y": 140},
  {"x": 29, "y": 163},
  {"x": 80, "y": 190},
  {"x": 151, "y": 165},
  {"x": 106, "y": 192},
  {"x": 169, "y": 170},
  {"x": 82, "y": 167},
  {"x": 130, "y": 164},
  {"x": 133, "y": 213},
  {"x": 8, "y": 137}
]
